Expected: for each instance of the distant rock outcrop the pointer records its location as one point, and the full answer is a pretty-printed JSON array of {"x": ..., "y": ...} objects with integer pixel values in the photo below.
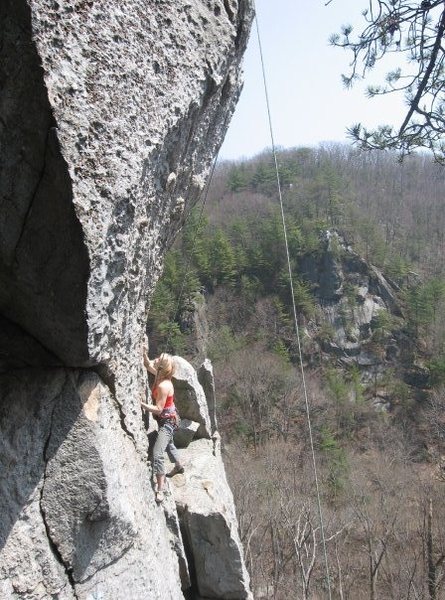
[
  {"x": 110, "y": 115},
  {"x": 352, "y": 296}
]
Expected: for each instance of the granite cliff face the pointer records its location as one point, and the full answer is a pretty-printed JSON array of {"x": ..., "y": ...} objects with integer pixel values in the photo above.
[
  {"x": 110, "y": 115},
  {"x": 360, "y": 317},
  {"x": 351, "y": 294}
]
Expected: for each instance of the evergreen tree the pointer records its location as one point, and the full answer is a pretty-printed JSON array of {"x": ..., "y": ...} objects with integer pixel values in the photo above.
[
  {"x": 414, "y": 30},
  {"x": 238, "y": 178},
  {"x": 223, "y": 260}
]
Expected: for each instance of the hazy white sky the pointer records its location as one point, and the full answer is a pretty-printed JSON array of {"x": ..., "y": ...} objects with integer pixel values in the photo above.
[{"x": 308, "y": 101}]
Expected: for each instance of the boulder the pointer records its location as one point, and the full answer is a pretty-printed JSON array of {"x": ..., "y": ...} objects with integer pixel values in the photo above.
[
  {"x": 186, "y": 432},
  {"x": 207, "y": 515},
  {"x": 190, "y": 398},
  {"x": 207, "y": 380},
  {"x": 79, "y": 516}
]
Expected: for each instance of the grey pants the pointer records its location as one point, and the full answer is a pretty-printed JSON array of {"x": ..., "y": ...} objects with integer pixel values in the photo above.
[{"x": 164, "y": 442}]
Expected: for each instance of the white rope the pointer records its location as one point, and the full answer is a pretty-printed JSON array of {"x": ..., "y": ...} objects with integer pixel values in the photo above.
[
  {"x": 187, "y": 271},
  {"x": 297, "y": 329}
]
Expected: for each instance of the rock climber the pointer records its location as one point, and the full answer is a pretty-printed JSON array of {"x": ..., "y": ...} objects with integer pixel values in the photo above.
[{"x": 165, "y": 413}]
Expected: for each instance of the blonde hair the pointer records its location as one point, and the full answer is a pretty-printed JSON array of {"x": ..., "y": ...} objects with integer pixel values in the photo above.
[{"x": 165, "y": 368}]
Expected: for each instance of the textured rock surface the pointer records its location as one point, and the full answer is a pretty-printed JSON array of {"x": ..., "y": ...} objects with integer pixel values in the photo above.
[
  {"x": 186, "y": 432},
  {"x": 190, "y": 397},
  {"x": 208, "y": 524},
  {"x": 110, "y": 115},
  {"x": 107, "y": 147},
  {"x": 43, "y": 259},
  {"x": 175, "y": 539},
  {"x": 351, "y": 294},
  {"x": 78, "y": 515},
  {"x": 207, "y": 515},
  {"x": 206, "y": 379},
  {"x": 28, "y": 564}
]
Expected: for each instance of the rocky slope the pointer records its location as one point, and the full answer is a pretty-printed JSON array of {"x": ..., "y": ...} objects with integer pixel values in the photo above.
[
  {"x": 350, "y": 293},
  {"x": 110, "y": 115},
  {"x": 360, "y": 317}
]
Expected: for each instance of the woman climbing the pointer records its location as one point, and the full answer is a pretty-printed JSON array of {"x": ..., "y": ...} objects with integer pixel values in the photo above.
[{"x": 164, "y": 411}]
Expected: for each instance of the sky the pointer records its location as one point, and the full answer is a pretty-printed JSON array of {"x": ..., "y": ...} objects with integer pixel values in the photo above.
[{"x": 309, "y": 104}]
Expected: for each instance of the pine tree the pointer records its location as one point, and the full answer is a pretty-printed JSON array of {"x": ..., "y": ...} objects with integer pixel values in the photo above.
[{"x": 415, "y": 31}]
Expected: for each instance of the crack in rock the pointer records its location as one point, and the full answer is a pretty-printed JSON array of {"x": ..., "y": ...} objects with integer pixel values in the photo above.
[{"x": 51, "y": 542}]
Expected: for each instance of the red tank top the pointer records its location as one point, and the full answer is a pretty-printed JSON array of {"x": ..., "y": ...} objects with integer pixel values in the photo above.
[
  {"x": 170, "y": 399},
  {"x": 169, "y": 410}
]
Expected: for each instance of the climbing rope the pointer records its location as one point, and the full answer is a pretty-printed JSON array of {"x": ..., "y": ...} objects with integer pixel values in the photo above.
[
  {"x": 204, "y": 196},
  {"x": 297, "y": 329},
  {"x": 291, "y": 285}
]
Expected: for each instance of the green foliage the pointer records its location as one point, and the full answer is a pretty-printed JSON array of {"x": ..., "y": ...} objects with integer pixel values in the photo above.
[
  {"x": 381, "y": 325},
  {"x": 163, "y": 304},
  {"x": 249, "y": 289},
  {"x": 413, "y": 31},
  {"x": 326, "y": 332},
  {"x": 281, "y": 350},
  {"x": 344, "y": 312},
  {"x": 223, "y": 263},
  {"x": 397, "y": 268},
  {"x": 170, "y": 337},
  {"x": 242, "y": 429},
  {"x": 354, "y": 376},
  {"x": 400, "y": 391},
  {"x": 310, "y": 236},
  {"x": 304, "y": 298},
  {"x": 238, "y": 178},
  {"x": 336, "y": 463},
  {"x": 195, "y": 247},
  {"x": 436, "y": 367},
  {"x": 350, "y": 292},
  {"x": 336, "y": 249},
  {"x": 337, "y": 386},
  {"x": 422, "y": 301},
  {"x": 223, "y": 344},
  {"x": 284, "y": 317},
  {"x": 325, "y": 193},
  {"x": 371, "y": 243},
  {"x": 435, "y": 291},
  {"x": 261, "y": 176},
  {"x": 173, "y": 299},
  {"x": 264, "y": 178},
  {"x": 347, "y": 391}
]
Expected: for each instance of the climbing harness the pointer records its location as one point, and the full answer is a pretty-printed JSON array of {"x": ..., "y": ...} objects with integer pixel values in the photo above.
[
  {"x": 294, "y": 310},
  {"x": 169, "y": 415}
]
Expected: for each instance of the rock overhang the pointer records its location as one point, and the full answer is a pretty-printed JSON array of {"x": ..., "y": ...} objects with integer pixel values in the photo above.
[
  {"x": 110, "y": 115},
  {"x": 128, "y": 108}
]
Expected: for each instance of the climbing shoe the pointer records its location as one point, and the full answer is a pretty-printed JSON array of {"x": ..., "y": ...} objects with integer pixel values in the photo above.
[
  {"x": 159, "y": 496},
  {"x": 175, "y": 471}
]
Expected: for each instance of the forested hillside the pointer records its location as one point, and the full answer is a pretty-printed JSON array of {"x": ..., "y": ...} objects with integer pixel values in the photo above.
[{"x": 376, "y": 402}]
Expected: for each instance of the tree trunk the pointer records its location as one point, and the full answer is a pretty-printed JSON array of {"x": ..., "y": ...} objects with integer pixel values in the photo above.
[{"x": 430, "y": 557}]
